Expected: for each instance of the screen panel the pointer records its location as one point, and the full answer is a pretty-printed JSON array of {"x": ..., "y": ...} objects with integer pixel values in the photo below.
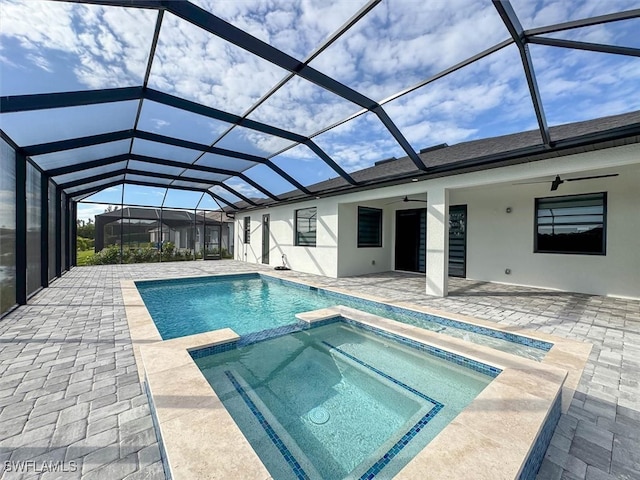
[
  {"x": 59, "y": 46},
  {"x": 34, "y": 127},
  {"x": 34, "y": 229},
  {"x": 8, "y": 227}
]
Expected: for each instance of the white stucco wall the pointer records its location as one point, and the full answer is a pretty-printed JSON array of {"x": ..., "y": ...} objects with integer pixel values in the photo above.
[
  {"x": 497, "y": 240},
  {"x": 321, "y": 259},
  {"x": 359, "y": 261}
]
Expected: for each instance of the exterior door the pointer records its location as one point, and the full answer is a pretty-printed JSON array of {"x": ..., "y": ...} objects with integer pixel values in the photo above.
[
  {"x": 410, "y": 240},
  {"x": 212, "y": 242},
  {"x": 265, "y": 238},
  {"x": 458, "y": 241}
]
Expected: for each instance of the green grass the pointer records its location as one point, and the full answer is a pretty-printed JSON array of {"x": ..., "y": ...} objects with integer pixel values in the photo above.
[{"x": 83, "y": 255}]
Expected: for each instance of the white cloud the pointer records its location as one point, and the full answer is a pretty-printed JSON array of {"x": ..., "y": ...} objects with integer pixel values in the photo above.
[
  {"x": 398, "y": 44},
  {"x": 105, "y": 46},
  {"x": 240, "y": 187},
  {"x": 88, "y": 211},
  {"x": 159, "y": 123}
]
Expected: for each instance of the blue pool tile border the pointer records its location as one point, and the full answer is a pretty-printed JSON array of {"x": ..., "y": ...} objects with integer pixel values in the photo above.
[
  {"x": 197, "y": 280},
  {"x": 271, "y": 433},
  {"x": 510, "y": 337},
  {"x": 263, "y": 335},
  {"x": 409, "y": 435},
  {"x": 213, "y": 349},
  {"x": 475, "y": 365},
  {"x": 537, "y": 453},
  {"x": 420, "y": 316},
  {"x": 379, "y": 464},
  {"x": 382, "y": 374}
]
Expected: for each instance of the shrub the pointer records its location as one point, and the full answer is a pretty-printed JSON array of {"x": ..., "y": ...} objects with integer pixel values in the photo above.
[
  {"x": 85, "y": 243},
  {"x": 143, "y": 255},
  {"x": 107, "y": 256}
]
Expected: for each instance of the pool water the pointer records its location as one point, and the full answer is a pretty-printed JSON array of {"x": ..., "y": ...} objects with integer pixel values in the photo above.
[
  {"x": 252, "y": 303},
  {"x": 336, "y": 401}
]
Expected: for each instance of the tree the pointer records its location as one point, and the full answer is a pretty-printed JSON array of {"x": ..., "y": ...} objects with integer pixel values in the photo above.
[{"x": 86, "y": 229}]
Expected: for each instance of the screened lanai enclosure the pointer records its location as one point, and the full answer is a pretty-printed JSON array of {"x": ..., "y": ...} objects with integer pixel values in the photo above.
[
  {"x": 196, "y": 234},
  {"x": 229, "y": 106}
]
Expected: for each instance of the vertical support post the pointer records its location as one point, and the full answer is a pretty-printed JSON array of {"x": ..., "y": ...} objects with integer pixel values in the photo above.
[
  {"x": 122, "y": 224},
  {"x": 437, "y": 242},
  {"x": 161, "y": 236},
  {"x": 59, "y": 245},
  {"x": 44, "y": 229},
  {"x": 74, "y": 233},
  {"x": 195, "y": 230},
  {"x": 67, "y": 235},
  {"x": 21, "y": 228}
]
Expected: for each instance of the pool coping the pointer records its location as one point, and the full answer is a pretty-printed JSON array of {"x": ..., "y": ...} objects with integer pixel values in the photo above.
[{"x": 182, "y": 400}]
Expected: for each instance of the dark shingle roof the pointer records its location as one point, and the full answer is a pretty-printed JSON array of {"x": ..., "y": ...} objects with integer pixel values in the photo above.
[{"x": 488, "y": 153}]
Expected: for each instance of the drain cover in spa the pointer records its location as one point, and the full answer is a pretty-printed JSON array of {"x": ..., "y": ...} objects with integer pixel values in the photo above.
[{"x": 319, "y": 415}]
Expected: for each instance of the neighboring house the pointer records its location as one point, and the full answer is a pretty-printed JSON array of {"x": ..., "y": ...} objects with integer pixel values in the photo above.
[
  {"x": 135, "y": 227},
  {"x": 487, "y": 210}
]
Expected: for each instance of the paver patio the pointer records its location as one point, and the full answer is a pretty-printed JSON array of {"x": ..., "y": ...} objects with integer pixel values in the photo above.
[{"x": 69, "y": 388}]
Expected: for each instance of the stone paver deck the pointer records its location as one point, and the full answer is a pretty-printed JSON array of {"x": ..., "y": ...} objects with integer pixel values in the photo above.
[{"x": 69, "y": 389}]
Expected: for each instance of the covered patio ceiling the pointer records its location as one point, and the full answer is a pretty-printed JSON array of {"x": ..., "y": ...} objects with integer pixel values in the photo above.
[{"x": 255, "y": 102}]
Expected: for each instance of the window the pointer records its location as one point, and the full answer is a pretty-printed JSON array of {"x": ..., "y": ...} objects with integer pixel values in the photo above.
[
  {"x": 247, "y": 230},
  {"x": 305, "y": 227},
  {"x": 571, "y": 224},
  {"x": 369, "y": 227}
]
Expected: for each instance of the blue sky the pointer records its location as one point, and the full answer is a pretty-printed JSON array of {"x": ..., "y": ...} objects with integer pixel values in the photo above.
[{"x": 51, "y": 46}]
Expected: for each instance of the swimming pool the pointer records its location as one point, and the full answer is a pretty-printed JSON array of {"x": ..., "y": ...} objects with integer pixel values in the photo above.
[
  {"x": 335, "y": 401},
  {"x": 250, "y": 303}
]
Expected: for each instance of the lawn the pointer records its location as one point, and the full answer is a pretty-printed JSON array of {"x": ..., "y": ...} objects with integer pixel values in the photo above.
[{"x": 83, "y": 255}]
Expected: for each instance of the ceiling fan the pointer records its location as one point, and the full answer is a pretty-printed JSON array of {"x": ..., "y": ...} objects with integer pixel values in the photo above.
[
  {"x": 556, "y": 182},
  {"x": 406, "y": 199}
]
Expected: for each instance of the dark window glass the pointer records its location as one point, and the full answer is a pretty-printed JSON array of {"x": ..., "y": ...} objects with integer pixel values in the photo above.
[
  {"x": 34, "y": 229},
  {"x": 7, "y": 227},
  {"x": 571, "y": 224},
  {"x": 247, "y": 230},
  {"x": 305, "y": 227},
  {"x": 369, "y": 227}
]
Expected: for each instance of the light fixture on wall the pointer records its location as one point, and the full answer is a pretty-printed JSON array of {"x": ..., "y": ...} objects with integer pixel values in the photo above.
[{"x": 508, "y": 210}]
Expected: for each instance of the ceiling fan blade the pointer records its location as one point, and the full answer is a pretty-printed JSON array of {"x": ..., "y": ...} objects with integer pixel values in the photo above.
[
  {"x": 412, "y": 200},
  {"x": 556, "y": 183},
  {"x": 591, "y": 177},
  {"x": 531, "y": 183}
]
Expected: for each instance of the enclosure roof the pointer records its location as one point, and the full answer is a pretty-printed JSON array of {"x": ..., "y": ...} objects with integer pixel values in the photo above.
[
  {"x": 159, "y": 214},
  {"x": 256, "y": 102}
]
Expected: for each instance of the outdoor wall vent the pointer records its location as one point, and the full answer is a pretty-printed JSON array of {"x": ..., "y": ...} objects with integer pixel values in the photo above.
[
  {"x": 386, "y": 160},
  {"x": 508, "y": 210},
  {"x": 434, "y": 147}
]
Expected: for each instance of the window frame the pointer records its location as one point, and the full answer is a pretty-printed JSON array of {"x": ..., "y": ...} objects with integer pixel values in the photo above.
[
  {"x": 246, "y": 230},
  {"x": 379, "y": 213},
  {"x": 603, "y": 250},
  {"x": 296, "y": 239}
]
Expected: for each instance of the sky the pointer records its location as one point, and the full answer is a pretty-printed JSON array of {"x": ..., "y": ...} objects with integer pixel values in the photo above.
[{"x": 55, "y": 46}]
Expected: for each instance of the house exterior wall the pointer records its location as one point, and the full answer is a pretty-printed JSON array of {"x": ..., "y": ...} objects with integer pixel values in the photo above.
[
  {"x": 495, "y": 241},
  {"x": 321, "y": 259},
  {"x": 359, "y": 261}
]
